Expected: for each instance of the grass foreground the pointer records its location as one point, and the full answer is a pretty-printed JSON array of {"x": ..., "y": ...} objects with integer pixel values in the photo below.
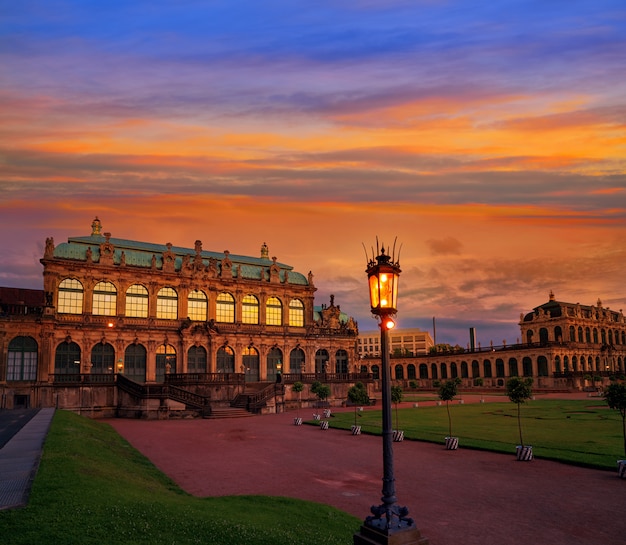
[
  {"x": 580, "y": 432},
  {"x": 93, "y": 487}
]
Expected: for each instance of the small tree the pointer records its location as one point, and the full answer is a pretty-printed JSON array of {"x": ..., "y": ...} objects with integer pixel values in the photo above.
[
  {"x": 615, "y": 395},
  {"x": 519, "y": 391},
  {"x": 357, "y": 395},
  {"x": 322, "y": 391},
  {"x": 298, "y": 387},
  {"x": 396, "y": 397},
  {"x": 447, "y": 392}
]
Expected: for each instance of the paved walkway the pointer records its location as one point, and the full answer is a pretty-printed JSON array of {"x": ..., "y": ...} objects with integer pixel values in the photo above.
[
  {"x": 464, "y": 497},
  {"x": 20, "y": 455}
]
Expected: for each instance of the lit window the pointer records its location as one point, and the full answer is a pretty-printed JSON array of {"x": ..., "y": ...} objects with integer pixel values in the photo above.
[
  {"x": 296, "y": 313},
  {"x": 137, "y": 301},
  {"x": 104, "y": 299},
  {"x": 70, "y": 297},
  {"x": 167, "y": 304},
  {"x": 225, "y": 309},
  {"x": 273, "y": 311},
  {"x": 250, "y": 310},
  {"x": 197, "y": 306}
]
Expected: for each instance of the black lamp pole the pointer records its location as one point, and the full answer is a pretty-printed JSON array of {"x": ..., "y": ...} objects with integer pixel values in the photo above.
[{"x": 389, "y": 523}]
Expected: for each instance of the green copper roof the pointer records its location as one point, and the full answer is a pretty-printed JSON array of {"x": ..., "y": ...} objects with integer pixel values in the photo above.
[{"x": 140, "y": 254}]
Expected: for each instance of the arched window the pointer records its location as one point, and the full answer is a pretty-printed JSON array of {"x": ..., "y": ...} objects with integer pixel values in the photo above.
[
  {"x": 444, "y": 370},
  {"x": 70, "y": 300},
  {"x": 104, "y": 299},
  {"x": 197, "y": 306},
  {"x": 433, "y": 370},
  {"x": 135, "y": 357},
  {"x": 574, "y": 363},
  {"x": 22, "y": 359},
  {"x": 341, "y": 361},
  {"x": 296, "y": 313},
  {"x": 423, "y": 370},
  {"x": 399, "y": 372},
  {"x": 487, "y": 369},
  {"x": 67, "y": 359},
  {"x": 410, "y": 371},
  {"x": 543, "y": 335},
  {"x": 165, "y": 361},
  {"x": 558, "y": 334},
  {"x": 167, "y": 304},
  {"x": 102, "y": 359},
  {"x": 595, "y": 336},
  {"x": 542, "y": 366},
  {"x": 527, "y": 367},
  {"x": 225, "y": 360},
  {"x": 196, "y": 359},
  {"x": 464, "y": 370},
  {"x": 572, "y": 333},
  {"x": 250, "y": 310},
  {"x": 321, "y": 361},
  {"x": 274, "y": 359},
  {"x": 499, "y": 367},
  {"x": 273, "y": 311},
  {"x": 225, "y": 309},
  {"x": 557, "y": 364},
  {"x": 137, "y": 301},
  {"x": 475, "y": 369},
  {"x": 587, "y": 335},
  {"x": 296, "y": 361},
  {"x": 375, "y": 372},
  {"x": 529, "y": 336},
  {"x": 251, "y": 364},
  {"x": 513, "y": 371}
]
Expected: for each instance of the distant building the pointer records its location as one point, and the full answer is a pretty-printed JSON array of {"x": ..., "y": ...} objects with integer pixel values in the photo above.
[
  {"x": 128, "y": 327},
  {"x": 565, "y": 346},
  {"x": 402, "y": 342}
]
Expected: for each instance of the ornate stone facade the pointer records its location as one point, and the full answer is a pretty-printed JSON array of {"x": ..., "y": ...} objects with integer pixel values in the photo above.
[{"x": 161, "y": 314}]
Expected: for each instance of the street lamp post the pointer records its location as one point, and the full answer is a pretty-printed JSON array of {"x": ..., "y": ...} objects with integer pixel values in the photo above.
[{"x": 389, "y": 523}]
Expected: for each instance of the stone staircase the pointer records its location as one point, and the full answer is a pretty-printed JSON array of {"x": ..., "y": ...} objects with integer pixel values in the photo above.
[{"x": 229, "y": 412}]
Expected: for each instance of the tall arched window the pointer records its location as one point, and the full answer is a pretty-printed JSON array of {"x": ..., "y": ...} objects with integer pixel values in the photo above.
[
  {"x": 423, "y": 368},
  {"x": 296, "y": 361},
  {"x": 375, "y": 372},
  {"x": 527, "y": 367},
  {"x": 225, "y": 309},
  {"x": 137, "y": 301},
  {"x": 296, "y": 313},
  {"x": 104, "y": 299},
  {"x": 453, "y": 371},
  {"x": 274, "y": 358},
  {"x": 102, "y": 359},
  {"x": 251, "y": 364},
  {"x": 444, "y": 370},
  {"x": 196, "y": 359},
  {"x": 22, "y": 359},
  {"x": 321, "y": 361},
  {"x": 273, "y": 311},
  {"x": 250, "y": 310},
  {"x": 197, "y": 306},
  {"x": 165, "y": 361},
  {"x": 410, "y": 371},
  {"x": 513, "y": 371},
  {"x": 70, "y": 299},
  {"x": 542, "y": 366},
  {"x": 225, "y": 360},
  {"x": 499, "y": 367},
  {"x": 464, "y": 370},
  {"x": 341, "y": 361},
  {"x": 67, "y": 359},
  {"x": 167, "y": 304},
  {"x": 399, "y": 372},
  {"x": 135, "y": 358}
]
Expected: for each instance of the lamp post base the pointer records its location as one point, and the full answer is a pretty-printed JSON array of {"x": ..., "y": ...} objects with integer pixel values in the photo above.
[{"x": 374, "y": 536}]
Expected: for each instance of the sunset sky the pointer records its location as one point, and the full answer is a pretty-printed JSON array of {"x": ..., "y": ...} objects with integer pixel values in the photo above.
[{"x": 489, "y": 138}]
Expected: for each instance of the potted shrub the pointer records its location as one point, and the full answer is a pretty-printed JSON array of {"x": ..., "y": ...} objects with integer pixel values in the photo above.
[
  {"x": 615, "y": 395},
  {"x": 447, "y": 392},
  {"x": 396, "y": 397},
  {"x": 298, "y": 387},
  {"x": 357, "y": 395},
  {"x": 519, "y": 391}
]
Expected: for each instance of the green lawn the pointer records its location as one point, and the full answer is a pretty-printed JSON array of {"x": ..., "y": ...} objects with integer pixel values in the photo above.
[
  {"x": 94, "y": 488},
  {"x": 581, "y": 432}
]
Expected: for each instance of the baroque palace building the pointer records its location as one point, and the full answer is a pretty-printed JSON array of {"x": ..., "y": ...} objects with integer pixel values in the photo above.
[
  {"x": 132, "y": 328},
  {"x": 564, "y": 346}
]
